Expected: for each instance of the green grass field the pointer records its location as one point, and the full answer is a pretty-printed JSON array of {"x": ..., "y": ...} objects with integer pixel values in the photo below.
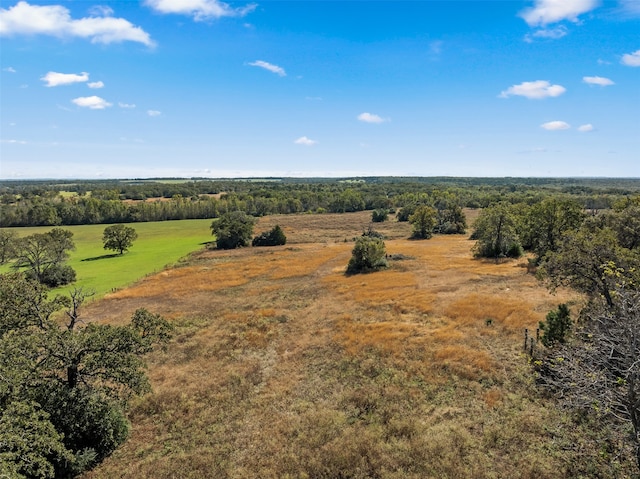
[{"x": 159, "y": 244}]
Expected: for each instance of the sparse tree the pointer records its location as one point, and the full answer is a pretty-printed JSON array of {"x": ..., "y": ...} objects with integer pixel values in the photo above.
[
  {"x": 119, "y": 238},
  {"x": 368, "y": 254},
  {"x": 43, "y": 255},
  {"x": 233, "y": 230},
  {"x": 424, "y": 219}
]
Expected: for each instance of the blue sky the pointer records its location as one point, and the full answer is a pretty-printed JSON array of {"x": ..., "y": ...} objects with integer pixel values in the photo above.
[{"x": 158, "y": 88}]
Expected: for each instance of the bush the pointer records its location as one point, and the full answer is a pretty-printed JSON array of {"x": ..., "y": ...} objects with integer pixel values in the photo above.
[
  {"x": 556, "y": 326},
  {"x": 379, "y": 215},
  {"x": 54, "y": 276},
  {"x": 274, "y": 237},
  {"x": 369, "y": 254}
]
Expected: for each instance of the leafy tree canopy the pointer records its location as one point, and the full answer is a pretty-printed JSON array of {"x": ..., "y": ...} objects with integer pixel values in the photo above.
[
  {"x": 233, "y": 230},
  {"x": 119, "y": 237}
]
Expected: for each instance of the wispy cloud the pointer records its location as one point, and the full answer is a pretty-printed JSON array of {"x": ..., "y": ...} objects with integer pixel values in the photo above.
[
  {"x": 270, "y": 67},
  {"x": 555, "y": 125},
  {"x": 14, "y": 142},
  {"x": 154, "y": 113},
  {"x": 535, "y": 90},
  {"x": 598, "y": 81},
  {"x": 547, "y": 33},
  {"x": 303, "y": 140},
  {"x": 545, "y": 12},
  {"x": 371, "y": 118},
  {"x": 91, "y": 102},
  {"x": 629, "y": 7},
  {"x": 95, "y": 85},
  {"x": 56, "y": 21},
  {"x": 9, "y": 70},
  {"x": 631, "y": 59},
  {"x": 126, "y": 105},
  {"x": 200, "y": 10},
  {"x": 57, "y": 79},
  {"x": 586, "y": 128}
]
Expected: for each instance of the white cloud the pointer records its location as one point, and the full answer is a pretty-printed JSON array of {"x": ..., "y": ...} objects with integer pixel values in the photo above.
[
  {"x": 96, "y": 84},
  {"x": 9, "y": 70},
  {"x": 14, "y": 142},
  {"x": 630, "y": 7},
  {"x": 598, "y": 81},
  {"x": 126, "y": 105},
  {"x": 154, "y": 113},
  {"x": 555, "y": 125},
  {"x": 199, "y": 9},
  {"x": 631, "y": 59},
  {"x": 370, "y": 118},
  {"x": 269, "y": 66},
  {"x": 92, "y": 102},
  {"x": 101, "y": 11},
  {"x": 548, "y": 33},
  {"x": 586, "y": 128},
  {"x": 535, "y": 90},
  {"x": 57, "y": 79},
  {"x": 303, "y": 140},
  {"x": 55, "y": 20},
  {"x": 545, "y": 12}
]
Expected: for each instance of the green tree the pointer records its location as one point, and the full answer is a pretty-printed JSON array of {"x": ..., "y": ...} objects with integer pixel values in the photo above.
[
  {"x": 74, "y": 378},
  {"x": 583, "y": 259},
  {"x": 273, "y": 237},
  {"x": 495, "y": 232},
  {"x": 44, "y": 254},
  {"x": 556, "y": 326},
  {"x": 233, "y": 230},
  {"x": 368, "y": 254},
  {"x": 424, "y": 220},
  {"x": 546, "y": 222},
  {"x": 119, "y": 238},
  {"x": 451, "y": 219},
  {"x": 7, "y": 245},
  {"x": 379, "y": 215}
]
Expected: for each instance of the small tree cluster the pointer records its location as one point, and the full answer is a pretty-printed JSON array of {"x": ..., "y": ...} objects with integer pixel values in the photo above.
[
  {"x": 368, "y": 254},
  {"x": 556, "y": 326},
  {"x": 233, "y": 230},
  {"x": 273, "y": 237},
  {"x": 496, "y": 233},
  {"x": 379, "y": 215},
  {"x": 424, "y": 220}
]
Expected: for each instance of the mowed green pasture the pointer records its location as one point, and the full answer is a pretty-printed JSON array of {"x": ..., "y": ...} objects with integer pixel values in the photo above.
[{"x": 159, "y": 244}]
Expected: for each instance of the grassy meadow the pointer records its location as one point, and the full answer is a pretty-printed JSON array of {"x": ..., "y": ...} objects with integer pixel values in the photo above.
[
  {"x": 283, "y": 367},
  {"x": 159, "y": 244}
]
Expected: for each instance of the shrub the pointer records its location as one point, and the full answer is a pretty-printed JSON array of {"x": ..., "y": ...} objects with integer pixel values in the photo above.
[
  {"x": 56, "y": 275},
  {"x": 379, "y": 215},
  {"x": 233, "y": 230},
  {"x": 369, "y": 254},
  {"x": 556, "y": 326},
  {"x": 274, "y": 237}
]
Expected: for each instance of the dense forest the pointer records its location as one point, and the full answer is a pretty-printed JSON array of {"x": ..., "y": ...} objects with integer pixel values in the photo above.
[{"x": 53, "y": 203}]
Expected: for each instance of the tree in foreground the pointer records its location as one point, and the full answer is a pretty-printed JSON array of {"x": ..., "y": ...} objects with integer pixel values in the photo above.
[
  {"x": 233, "y": 230},
  {"x": 368, "y": 254},
  {"x": 8, "y": 240},
  {"x": 598, "y": 373},
  {"x": 64, "y": 387},
  {"x": 424, "y": 220},
  {"x": 119, "y": 238},
  {"x": 273, "y": 237}
]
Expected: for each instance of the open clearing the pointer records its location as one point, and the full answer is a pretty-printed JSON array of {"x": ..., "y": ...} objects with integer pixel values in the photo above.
[{"x": 282, "y": 366}]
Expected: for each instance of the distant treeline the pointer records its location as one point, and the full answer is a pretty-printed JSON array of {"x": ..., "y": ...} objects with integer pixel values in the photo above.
[{"x": 49, "y": 203}]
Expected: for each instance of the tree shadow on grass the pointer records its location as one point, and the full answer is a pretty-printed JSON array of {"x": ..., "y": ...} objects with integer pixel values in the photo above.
[{"x": 104, "y": 256}]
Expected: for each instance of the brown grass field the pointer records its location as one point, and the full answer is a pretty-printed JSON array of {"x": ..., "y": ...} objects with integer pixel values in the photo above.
[{"x": 283, "y": 367}]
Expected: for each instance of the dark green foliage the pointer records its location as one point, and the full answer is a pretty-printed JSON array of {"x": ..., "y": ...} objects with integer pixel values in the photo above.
[
  {"x": 451, "y": 220},
  {"x": 119, "y": 238},
  {"x": 424, "y": 220},
  {"x": 233, "y": 230},
  {"x": 66, "y": 385},
  {"x": 372, "y": 233},
  {"x": 273, "y": 237},
  {"x": 405, "y": 212},
  {"x": 495, "y": 232},
  {"x": 368, "y": 254},
  {"x": 7, "y": 245},
  {"x": 56, "y": 275},
  {"x": 556, "y": 326},
  {"x": 379, "y": 215}
]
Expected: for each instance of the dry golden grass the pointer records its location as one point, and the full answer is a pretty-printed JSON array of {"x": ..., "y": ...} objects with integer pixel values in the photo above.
[{"x": 283, "y": 367}]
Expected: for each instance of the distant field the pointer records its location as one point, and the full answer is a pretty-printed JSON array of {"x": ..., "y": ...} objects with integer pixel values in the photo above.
[{"x": 158, "y": 244}]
